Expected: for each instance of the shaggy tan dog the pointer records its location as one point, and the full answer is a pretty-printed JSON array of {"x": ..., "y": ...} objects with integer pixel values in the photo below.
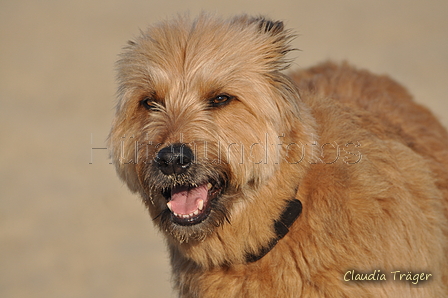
[{"x": 331, "y": 182}]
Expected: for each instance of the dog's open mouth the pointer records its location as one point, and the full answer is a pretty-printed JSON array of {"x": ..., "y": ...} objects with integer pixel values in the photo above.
[{"x": 190, "y": 205}]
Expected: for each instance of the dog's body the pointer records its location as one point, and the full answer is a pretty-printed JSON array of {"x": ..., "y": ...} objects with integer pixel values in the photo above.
[{"x": 267, "y": 186}]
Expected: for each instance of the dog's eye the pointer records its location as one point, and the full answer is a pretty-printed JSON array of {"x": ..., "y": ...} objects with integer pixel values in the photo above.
[
  {"x": 148, "y": 103},
  {"x": 220, "y": 100}
]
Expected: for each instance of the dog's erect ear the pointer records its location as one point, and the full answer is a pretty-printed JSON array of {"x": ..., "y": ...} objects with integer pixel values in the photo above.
[
  {"x": 268, "y": 26},
  {"x": 277, "y": 41},
  {"x": 265, "y": 25}
]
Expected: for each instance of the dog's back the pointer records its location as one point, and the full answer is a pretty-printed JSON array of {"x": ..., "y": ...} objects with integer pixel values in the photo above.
[{"x": 396, "y": 167}]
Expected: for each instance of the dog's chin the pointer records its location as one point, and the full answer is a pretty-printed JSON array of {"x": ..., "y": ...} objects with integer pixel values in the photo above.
[{"x": 193, "y": 211}]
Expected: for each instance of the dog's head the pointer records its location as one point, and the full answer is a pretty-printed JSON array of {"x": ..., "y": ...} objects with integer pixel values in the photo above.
[{"x": 203, "y": 110}]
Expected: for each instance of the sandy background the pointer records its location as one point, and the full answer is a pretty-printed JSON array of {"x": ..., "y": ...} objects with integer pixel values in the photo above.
[{"x": 71, "y": 229}]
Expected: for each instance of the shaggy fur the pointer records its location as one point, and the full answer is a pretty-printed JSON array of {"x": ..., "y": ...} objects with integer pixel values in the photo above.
[{"x": 204, "y": 108}]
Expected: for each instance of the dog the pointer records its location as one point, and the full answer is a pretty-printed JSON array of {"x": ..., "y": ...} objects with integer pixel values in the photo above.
[{"x": 324, "y": 182}]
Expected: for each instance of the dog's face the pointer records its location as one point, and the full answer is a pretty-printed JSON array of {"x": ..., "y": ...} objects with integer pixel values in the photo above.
[{"x": 202, "y": 108}]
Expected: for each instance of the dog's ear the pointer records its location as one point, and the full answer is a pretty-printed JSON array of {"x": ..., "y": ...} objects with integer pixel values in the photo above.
[
  {"x": 269, "y": 26},
  {"x": 277, "y": 41}
]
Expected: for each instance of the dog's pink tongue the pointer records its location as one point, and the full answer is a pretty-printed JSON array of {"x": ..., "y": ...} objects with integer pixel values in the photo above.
[{"x": 185, "y": 200}]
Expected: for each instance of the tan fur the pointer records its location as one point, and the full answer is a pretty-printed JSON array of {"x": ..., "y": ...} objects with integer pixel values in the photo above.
[{"x": 369, "y": 165}]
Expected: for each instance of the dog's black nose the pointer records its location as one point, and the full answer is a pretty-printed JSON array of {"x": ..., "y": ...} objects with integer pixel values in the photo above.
[{"x": 174, "y": 159}]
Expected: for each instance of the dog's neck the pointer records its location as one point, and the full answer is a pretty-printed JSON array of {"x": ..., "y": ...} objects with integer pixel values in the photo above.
[{"x": 281, "y": 226}]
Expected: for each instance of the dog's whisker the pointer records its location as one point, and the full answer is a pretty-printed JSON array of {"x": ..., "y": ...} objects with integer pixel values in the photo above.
[{"x": 155, "y": 218}]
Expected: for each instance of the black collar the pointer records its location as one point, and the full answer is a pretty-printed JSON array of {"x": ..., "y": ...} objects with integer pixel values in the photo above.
[{"x": 281, "y": 226}]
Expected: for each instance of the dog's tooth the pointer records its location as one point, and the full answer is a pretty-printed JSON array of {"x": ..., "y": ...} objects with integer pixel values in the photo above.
[
  {"x": 201, "y": 204},
  {"x": 186, "y": 216},
  {"x": 176, "y": 214},
  {"x": 209, "y": 186},
  {"x": 196, "y": 212},
  {"x": 169, "y": 206}
]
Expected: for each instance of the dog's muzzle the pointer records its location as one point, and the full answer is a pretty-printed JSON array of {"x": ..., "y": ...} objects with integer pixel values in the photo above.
[
  {"x": 189, "y": 195},
  {"x": 174, "y": 159}
]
